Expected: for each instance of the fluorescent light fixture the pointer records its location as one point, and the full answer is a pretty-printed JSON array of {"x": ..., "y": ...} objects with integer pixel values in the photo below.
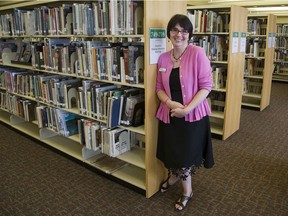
[
  {"x": 245, "y": 3},
  {"x": 267, "y": 9},
  {"x": 224, "y": 1},
  {"x": 263, "y": 2}
]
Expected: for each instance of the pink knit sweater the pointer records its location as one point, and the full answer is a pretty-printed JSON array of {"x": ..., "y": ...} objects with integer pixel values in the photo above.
[{"x": 195, "y": 73}]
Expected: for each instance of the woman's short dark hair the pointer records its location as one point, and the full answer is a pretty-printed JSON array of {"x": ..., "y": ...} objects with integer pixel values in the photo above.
[{"x": 183, "y": 21}]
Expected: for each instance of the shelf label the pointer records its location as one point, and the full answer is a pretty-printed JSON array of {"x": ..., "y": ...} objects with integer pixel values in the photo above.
[
  {"x": 269, "y": 45},
  {"x": 271, "y": 40},
  {"x": 243, "y": 42},
  {"x": 157, "y": 43},
  {"x": 235, "y": 42}
]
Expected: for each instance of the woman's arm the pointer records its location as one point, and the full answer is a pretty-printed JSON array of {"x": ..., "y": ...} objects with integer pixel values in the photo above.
[
  {"x": 200, "y": 96},
  {"x": 166, "y": 100},
  {"x": 196, "y": 100}
]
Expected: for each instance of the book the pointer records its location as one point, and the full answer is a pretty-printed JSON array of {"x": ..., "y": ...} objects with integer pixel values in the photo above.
[
  {"x": 138, "y": 114},
  {"x": 87, "y": 133},
  {"x": 42, "y": 118},
  {"x": 26, "y": 55},
  {"x": 114, "y": 111},
  {"x": 67, "y": 122},
  {"x": 120, "y": 142},
  {"x": 100, "y": 113},
  {"x": 70, "y": 92},
  {"x": 133, "y": 58},
  {"x": 81, "y": 132},
  {"x": 66, "y": 19},
  {"x": 127, "y": 93},
  {"x": 138, "y": 18},
  {"x": 95, "y": 136},
  {"x": 116, "y": 141},
  {"x": 132, "y": 107},
  {"x": 218, "y": 77}
]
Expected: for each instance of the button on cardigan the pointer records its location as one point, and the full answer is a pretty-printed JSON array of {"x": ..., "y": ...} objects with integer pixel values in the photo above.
[{"x": 195, "y": 73}]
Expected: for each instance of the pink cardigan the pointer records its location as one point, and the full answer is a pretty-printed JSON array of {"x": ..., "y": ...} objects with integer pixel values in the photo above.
[{"x": 195, "y": 73}]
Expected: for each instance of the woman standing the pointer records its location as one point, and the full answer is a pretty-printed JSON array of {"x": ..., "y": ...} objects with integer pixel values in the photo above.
[{"x": 184, "y": 80}]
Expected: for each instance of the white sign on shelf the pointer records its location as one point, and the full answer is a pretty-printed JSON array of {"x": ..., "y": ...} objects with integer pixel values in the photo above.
[
  {"x": 157, "y": 43},
  {"x": 243, "y": 42},
  {"x": 235, "y": 42},
  {"x": 270, "y": 40}
]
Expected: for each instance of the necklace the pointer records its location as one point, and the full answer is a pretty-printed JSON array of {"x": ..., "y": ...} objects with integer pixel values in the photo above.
[{"x": 176, "y": 59}]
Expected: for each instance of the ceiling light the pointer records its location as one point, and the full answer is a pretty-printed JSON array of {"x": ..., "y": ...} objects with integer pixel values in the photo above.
[{"x": 268, "y": 9}]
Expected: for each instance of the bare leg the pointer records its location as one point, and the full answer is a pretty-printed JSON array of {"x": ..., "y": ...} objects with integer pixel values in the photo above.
[
  {"x": 172, "y": 179},
  {"x": 187, "y": 186},
  {"x": 187, "y": 191}
]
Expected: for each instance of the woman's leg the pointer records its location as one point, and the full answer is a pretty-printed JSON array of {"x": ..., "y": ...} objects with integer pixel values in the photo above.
[
  {"x": 172, "y": 179},
  {"x": 186, "y": 180},
  {"x": 187, "y": 186}
]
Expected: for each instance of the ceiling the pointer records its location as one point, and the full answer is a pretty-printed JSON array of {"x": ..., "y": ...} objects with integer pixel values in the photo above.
[
  {"x": 204, "y": 2},
  {"x": 256, "y": 7},
  {"x": 244, "y": 3},
  {"x": 239, "y": 2},
  {"x": 3, "y": 3}
]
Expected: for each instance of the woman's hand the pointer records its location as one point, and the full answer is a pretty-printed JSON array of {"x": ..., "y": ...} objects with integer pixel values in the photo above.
[
  {"x": 178, "y": 112},
  {"x": 174, "y": 104},
  {"x": 177, "y": 109}
]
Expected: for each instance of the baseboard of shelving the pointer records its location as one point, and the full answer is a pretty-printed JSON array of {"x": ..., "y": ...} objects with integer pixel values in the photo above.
[
  {"x": 216, "y": 136},
  {"x": 250, "y": 107},
  {"x": 280, "y": 80}
]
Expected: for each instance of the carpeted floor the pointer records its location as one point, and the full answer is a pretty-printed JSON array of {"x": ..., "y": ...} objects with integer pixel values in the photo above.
[{"x": 250, "y": 176}]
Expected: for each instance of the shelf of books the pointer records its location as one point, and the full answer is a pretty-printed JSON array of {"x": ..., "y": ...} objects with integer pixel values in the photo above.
[
  {"x": 219, "y": 30},
  {"x": 259, "y": 61},
  {"x": 280, "y": 72},
  {"x": 77, "y": 76}
]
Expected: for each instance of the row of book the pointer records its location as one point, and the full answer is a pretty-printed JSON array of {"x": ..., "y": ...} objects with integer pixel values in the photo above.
[
  {"x": 253, "y": 67},
  {"x": 209, "y": 21},
  {"x": 282, "y": 29},
  {"x": 7, "y": 46},
  {"x": 282, "y": 42},
  {"x": 102, "y": 101},
  {"x": 58, "y": 120},
  {"x": 95, "y": 59},
  {"x": 281, "y": 69},
  {"x": 123, "y": 17},
  {"x": 96, "y": 136},
  {"x": 18, "y": 106},
  {"x": 92, "y": 134},
  {"x": 281, "y": 55},
  {"x": 2, "y": 78},
  {"x": 255, "y": 47},
  {"x": 219, "y": 77},
  {"x": 216, "y": 47},
  {"x": 217, "y": 101},
  {"x": 257, "y": 26},
  {"x": 18, "y": 51},
  {"x": 253, "y": 86}
]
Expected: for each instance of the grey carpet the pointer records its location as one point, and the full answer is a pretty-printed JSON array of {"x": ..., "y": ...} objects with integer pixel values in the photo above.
[{"x": 250, "y": 176}]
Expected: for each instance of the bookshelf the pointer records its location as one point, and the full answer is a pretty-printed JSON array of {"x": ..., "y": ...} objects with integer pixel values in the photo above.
[
  {"x": 226, "y": 97},
  {"x": 259, "y": 61},
  {"x": 138, "y": 167},
  {"x": 280, "y": 72}
]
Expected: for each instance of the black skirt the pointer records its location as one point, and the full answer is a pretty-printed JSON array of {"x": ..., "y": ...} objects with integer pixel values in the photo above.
[{"x": 183, "y": 144}]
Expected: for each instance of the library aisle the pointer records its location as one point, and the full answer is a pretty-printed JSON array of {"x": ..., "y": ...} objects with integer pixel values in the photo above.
[{"x": 250, "y": 176}]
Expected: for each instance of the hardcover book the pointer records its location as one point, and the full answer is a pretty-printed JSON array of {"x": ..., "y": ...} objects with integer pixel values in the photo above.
[{"x": 67, "y": 122}]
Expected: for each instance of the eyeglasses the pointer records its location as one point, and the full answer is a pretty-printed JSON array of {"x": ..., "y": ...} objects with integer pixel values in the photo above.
[{"x": 176, "y": 31}]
